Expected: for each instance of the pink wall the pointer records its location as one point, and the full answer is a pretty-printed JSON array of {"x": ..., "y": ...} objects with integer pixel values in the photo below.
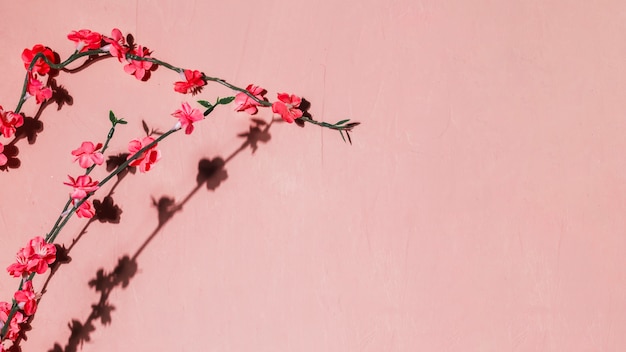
[{"x": 480, "y": 207}]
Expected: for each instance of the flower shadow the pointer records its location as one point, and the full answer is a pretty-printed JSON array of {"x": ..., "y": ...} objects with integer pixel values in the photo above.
[{"x": 211, "y": 173}]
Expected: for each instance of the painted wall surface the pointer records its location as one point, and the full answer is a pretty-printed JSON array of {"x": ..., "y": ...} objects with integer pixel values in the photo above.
[{"x": 480, "y": 207}]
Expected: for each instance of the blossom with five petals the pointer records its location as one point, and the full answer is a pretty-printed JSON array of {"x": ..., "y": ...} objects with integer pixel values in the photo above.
[
  {"x": 88, "y": 155},
  {"x": 9, "y": 121},
  {"x": 83, "y": 184},
  {"x": 35, "y": 88},
  {"x": 186, "y": 117},
  {"x": 243, "y": 102},
  {"x": 145, "y": 159},
  {"x": 85, "y": 39},
  {"x": 40, "y": 66},
  {"x": 116, "y": 44},
  {"x": 26, "y": 298},
  {"x": 138, "y": 68},
  {"x": 193, "y": 82},
  {"x": 3, "y": 158},
  {"x": 287, "y": 106}
]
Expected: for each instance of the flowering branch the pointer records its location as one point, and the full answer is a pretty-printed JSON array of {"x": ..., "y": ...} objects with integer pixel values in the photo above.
[{"x": 40, "y": 252}]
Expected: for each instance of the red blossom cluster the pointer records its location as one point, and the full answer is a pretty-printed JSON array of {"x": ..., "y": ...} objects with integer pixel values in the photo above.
[
  {"x": 287, "y": 106},
  {"x": 35, "y": 257}
]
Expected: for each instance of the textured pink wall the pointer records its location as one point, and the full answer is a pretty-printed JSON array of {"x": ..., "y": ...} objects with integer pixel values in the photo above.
[{"x": 480, "y": 207}]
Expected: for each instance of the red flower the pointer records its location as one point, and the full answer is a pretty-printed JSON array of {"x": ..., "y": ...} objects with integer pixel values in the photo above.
[
  {"x": 34, "y": 258},
  {"x": 36, "y": 89},
  {"x": 244, "y": 103},
  {"x": 87, "y": 155},
  {"x": 40, "y": 66},
  {"x": 186, "y": 117},
  {"x": 287, "y": 107},
  {"x": 9, "y": 121},
  {"x": 117, "y": 45},
  {"x": 83, "y": 184},
  {"x": 18, "y": 268},
  {"x": 85, "y": 210},
  {"x": 26, "y": 298},
  {"x": 3, "y": 158},
  {"x": 193, "y": 83},
  {"x": 85, "y": 39},
  {"x": 14, "y": 327},
  {"x": 147, "y": 158},
  {"x": 138, "y": 68}
]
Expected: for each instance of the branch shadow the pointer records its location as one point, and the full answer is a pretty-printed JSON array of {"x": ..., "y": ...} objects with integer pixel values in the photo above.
[{"x": 211, "y": 174}]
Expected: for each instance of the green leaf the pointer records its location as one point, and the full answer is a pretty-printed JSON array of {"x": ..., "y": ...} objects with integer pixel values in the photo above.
[
  {"x": 122, "y": 122},
  {"x": 112, "y": 117},
  {"x": 226, "y": 100},
  {"x": 341, "y": 122},
  {"x": 205, "y": 103},
  {"x": 342, "y": 137}
]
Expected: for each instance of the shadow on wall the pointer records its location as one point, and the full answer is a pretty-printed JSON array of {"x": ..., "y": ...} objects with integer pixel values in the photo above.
[{"x": 211, "y": 174}]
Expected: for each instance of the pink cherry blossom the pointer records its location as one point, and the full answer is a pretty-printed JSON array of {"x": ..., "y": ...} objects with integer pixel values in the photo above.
[
  {"x": 287, "y": 107},
  {"x": 18, "y": 268},
  {"x": 41, "y": 67},
  {"x": 35, "y": 88},
  {"x": 193, "y": 82},
  {"x": 116, "y": 44},
  {"x": 33, "y": 258},
  {"x": 26, "y": 298},
  {"x": 83, "y": 184},
  {"x": 85, "y": 39},
  {"x": 3, "y": 158},
  {"x": 147, "y": 158},
  {"x": 88, "y": 155},
  {"x": 187, "y": 116},
  {"x": 244, "y": 103},
  {"x": 18, "y": 318},
  {"x": 138, "y": 68},
  {"x": 85, "y": 210},
  {"x": 9, "y": 121}
]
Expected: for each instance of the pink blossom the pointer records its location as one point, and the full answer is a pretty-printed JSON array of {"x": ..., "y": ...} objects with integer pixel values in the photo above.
[
  {"x": 9, "y": 121},
  {"x": 147, "y": 158},
  {"x": 3, "y": 158},
  {"x": 34, "y": 257},
  {"x": 41, "y": 67},
  {"x": 193, "y": 82},
  {"x": 18, "y": 268},
  {"x": 35, "y": 88},
  {"x": 83, "y": 184},
  {"x": 26, "y": 298},
  {"x": 244, "y": 103},
  {"x": 85, "y": 39},
  {"x": 18, "y": 318},
  {"x": 187, "y": 116},
  {"x": 85, "y": 210},
  {"x": 138, "y": 68},
  {"x": 87, "y": 155},
  {"x": 287, "y": 107},
  {"x": 116, "y": 44}
]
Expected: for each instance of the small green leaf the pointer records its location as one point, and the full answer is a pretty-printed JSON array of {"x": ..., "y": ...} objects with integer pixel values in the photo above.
[
  {"x": 122, "y": 122},
  {"x": 341, "y": 122},
  {"x": 112, "y": 117},
  {"x": 225, "y": 101},
  {"x": 342, "y": 137},
  {"x": 205, "y": 103}
]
